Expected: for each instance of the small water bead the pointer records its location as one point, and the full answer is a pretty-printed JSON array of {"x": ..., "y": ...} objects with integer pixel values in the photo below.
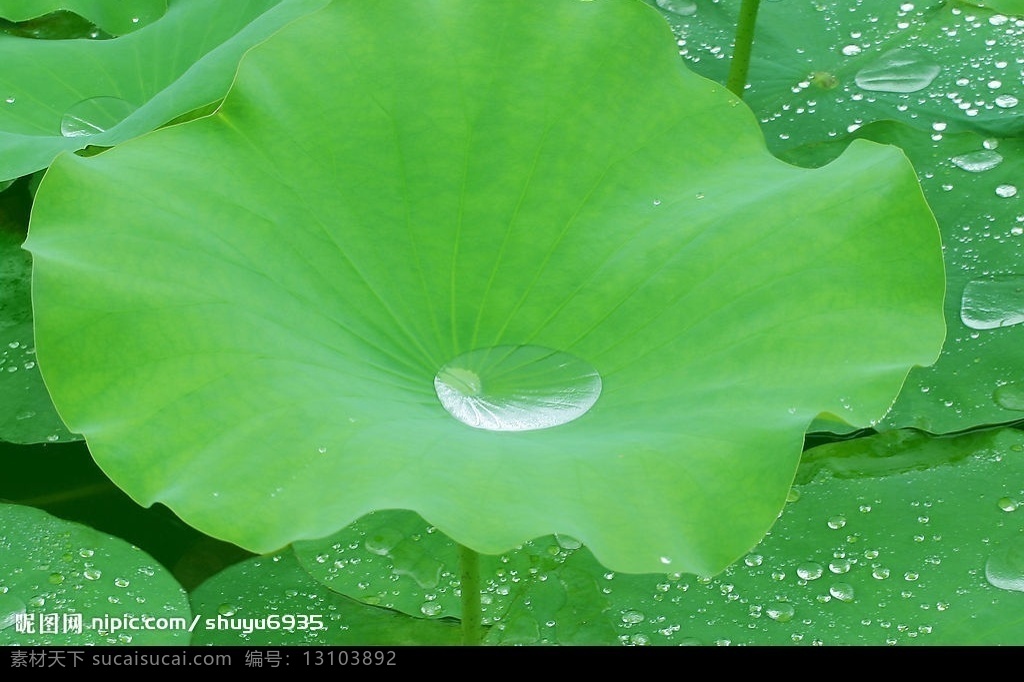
[
  {"x": 978, "y": 162},
  {"x": 632, "y": 617},
  {"x": 781, "y": 612},
  {"x": 842, "y": 591},
  {"x": 1006, "y": 191},
  {"x": 1006, "y": 101},
  {"x": 880, "y": 573},
  {"x": 517, "y": 388},
  {"x": 92, "y": 574},
  {"x": 683, "y": 8},
  {"x": 810, "y": 571},
  {"x": 837, "y": 522}
]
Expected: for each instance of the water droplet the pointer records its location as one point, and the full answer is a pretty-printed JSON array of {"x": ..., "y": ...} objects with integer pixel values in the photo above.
[
  {"x": 782, "y": 612},
  {"x": 567, "y": 541},
  {"x": 430, "y": 608},
  {"x": 10, "y": 608},
  {"x": 897, "y": 71},
  {"x": 978, "y": 162},
  {"x": 382, "y": 541},
  {"x": 94, "y": 115},
  {"x": 85, "y": 553},
  {"x": 226, "y": 610},
  {"x": 810, "y": 571},
  {"x": 1006, "y": 191},
  {"x": 121, "y": 582},
  {"x": 842, "y": 591},
  {"x": 9, "y": 100},
  {"x": 517, "y": 388},
  {"x": 681, "y": 7},
  {"x": 1007, "y": 504},
  {"x": 837, "y": 522},
  {"x": 92, "y": 574},
  {"x": 632, "y": 617},
  {"x": 1006, "y": 101},
  {"x": 1005, "y": 568},
  {"x": 992, "y": 302},
  {"x": 1010, "y": 396},
  {"x": 56, "y": 578},
  {"x": 880, "y": 573}
]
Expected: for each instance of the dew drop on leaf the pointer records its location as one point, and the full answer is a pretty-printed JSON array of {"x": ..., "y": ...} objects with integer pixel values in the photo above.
[
  {"x": 898, "y": 70},
  {"x": 842, "y": 592},
  {"x": 1006, "y": 191},
  {"x": 10, "y": 608},
  {"x": 1010, "y": 396},
  {"x": 517, "y": 388},
  {"x": 94, "y": 115},
  {"x": 1005, "y": 567},
  {"x": 782, "y": 612},
  {"x": 991, "y": 302},
  {"x": 978, "y": 162},
  {"x": 681, "y": 7}
]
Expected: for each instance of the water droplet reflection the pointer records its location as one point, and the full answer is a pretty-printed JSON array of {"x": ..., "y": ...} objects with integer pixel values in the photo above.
[
  {"x": 898, "y": 70},
  {"x": 517, "y": 388},
  {"x": 94, "y": 115}
]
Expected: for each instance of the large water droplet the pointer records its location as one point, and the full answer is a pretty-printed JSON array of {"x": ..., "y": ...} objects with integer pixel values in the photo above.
[
  {"x": 10, "y": 608},
  {"x": 682, "y": 7},
  {"x": 1005, "y": 568},
  {"x": 1010, "y": 396},
  {"x": 992, "y": 302},
  {"x": 978, "y": 162},
  {"x": 94, "y": 115},
  {"x": 517, "y": 388},
  {"x": 897, "y": 71}
]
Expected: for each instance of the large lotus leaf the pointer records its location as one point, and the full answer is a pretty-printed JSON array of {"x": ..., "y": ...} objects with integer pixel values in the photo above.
[
  {"x": 64, "y": 95},
  {"x": 244, "y": 315},
  {"x": 897, "y": 539},
  {"x": 822, "y": 70},
  {"x": 973, "y": 185},
  {"x": 26, "y": 411},
  {"x": 62, "y": 583},
  {"x": 116, "y": 18}
]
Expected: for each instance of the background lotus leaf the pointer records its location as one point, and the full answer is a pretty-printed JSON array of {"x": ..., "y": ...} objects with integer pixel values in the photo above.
[
  {"x": 52, "y": 570},
  {"x": 59, "y": 95},
  {"x": 116, "y": 18},
  {"x": 244, "y": 314},
  {"x": 971, "y": 182}
]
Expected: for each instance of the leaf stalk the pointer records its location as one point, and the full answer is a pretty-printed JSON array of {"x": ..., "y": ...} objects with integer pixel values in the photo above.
[
  {"x": 740, "y": 64},
  {"x": 472, "y": 613}
]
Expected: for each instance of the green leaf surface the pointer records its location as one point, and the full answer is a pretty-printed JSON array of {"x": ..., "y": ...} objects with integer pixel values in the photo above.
[
  {"x": 27, "y": 414},
  {"x": 271, "y": 600},
  {"x": 896, "y": 539},
  {"x": 537, "y": 593},
  {"x": 53, "y": 571},
  {"x": 1014, "y": 7},
  {"x": 826, "y": 68},
  {"x": 64, "y": 95},
  {"x": 973, "y": 184},
  {"x": 116, "y": 18},
  {"x": 287, "y": 276}
]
